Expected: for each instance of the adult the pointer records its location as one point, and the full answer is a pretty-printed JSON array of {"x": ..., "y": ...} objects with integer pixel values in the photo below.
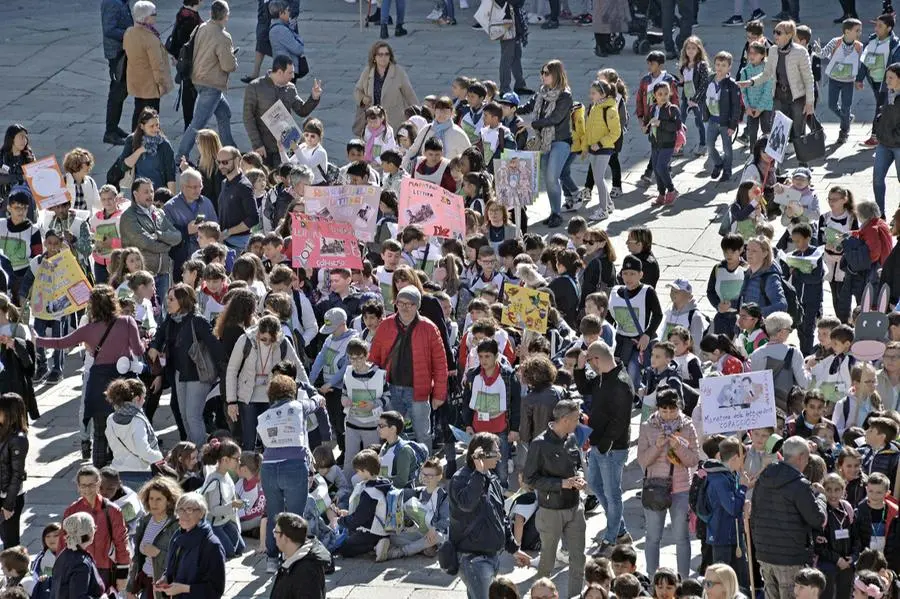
[
  {"x": 15, "y": 153},
  {"x": 552, "y": 107},
  {"x": 685, "y": 24},
  {"x": 886, "y": 130},
  {"x": 430, "y": 308},
  {"x": 208, "y": 146},
  {"x": 148, "y": 152},
  {"x": 285, "y": 40},
  {"x": 130, "y": 434},
  {"x": 412, "y": 352},
  {"x": 284, "y": 467},
  {"x": 147, "y": 63},
  {"x": 874, "y": 232},
  {"x": 383, "y": 83},
  {"x": 186, "y": 21},
  {"x": 13, "y": 451},
  {"x": 399, "y": 31},
  {"x": 185, "y": 211},
  {"x": 612, "y": 396},
  {"x": 454, "y": 139},
  {"x": 196, "y": 563},
  {"x": 479, "y": 529},
  {"x": 149, "y": 229},
  {"x": 785, "y": 516},
  {"x": 553, "y": 468},
  {"x": 762, "y": 281},
  {"x": 882, "y": 49},
  {"x": 109, "y": 548},
  {"x": 259, "y": 96},
  {"x": 777, "y": 351},
  {"x": 511, "y": 54},
  {"x": 108, "y": 337},
  {"x": 213, "y": 60},
  {"x": 667, "y": 448},
  {"x": 721, "y": 582},
  {"x": 182, "y": 329},
  {"x": 77, "y": 166},
  {"x": 75, "y": 572},
  {"x": 888, "y": 379},
  {"x": 238, "y": 212},
  {"x": 343, "y": 295},
  {"x": 789, "y": 67},
  {"x": 116, "y": 18},
  {"x": 152, "y": 536},
  {"x": 302, "y": 574}
]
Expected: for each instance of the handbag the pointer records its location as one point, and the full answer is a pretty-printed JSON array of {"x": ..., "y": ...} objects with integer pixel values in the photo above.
[
  {"x": 302, "y": 67},
  {"x": 810, "y": 146},
  {"x": 200, "y": 356},
  {"x": 448, "y": 556},
  {"x": 656, "y": 492},
  {"x": 501, "y": 23}
]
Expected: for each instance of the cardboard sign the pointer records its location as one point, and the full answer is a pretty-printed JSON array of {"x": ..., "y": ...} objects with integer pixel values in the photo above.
[
  {"x": 60, "y": 287},
  {"x": 737, "y": 402},
  {"x": 525, "y": 308},
  {"x": 517, "y": 178},
  {"x": 356, "y": 205},
  {"x": 439, "y": 212},
  {"x": 46, "y": 182},
  {"x": 323, "y": 244},
  {"x": 778, "y": 138},
  {"x": 284, "y": 129}
]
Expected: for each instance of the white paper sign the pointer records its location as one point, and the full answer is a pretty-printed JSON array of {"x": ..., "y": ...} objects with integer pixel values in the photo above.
[
  {"x": 283, "y": 127},
  {"x": 737, "y": 402},
  {"x": 778, "y": 138}
]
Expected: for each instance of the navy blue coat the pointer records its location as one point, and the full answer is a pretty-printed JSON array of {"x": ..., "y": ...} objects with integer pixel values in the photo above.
[
  {"x": 75, "y": 576},
  {"x": 116, "y": 18},
  {"x": 729, "y": 103},
  {"x": 197, "y": 559}
]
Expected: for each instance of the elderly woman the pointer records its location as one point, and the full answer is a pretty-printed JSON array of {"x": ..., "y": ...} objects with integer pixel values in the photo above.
[
  {"x": 382, "y": 83},
  {"x": 785, "y": 361},
  {"x": 147, "y": 68},
  {"x": 152, "y": 537},
  {"x": 887, "y": 131},
  {"x": 148, "y": 152},
  {"x": 195, "y": 566},
  {"x": 667, "y": 448},
  {"x": 876, "y": 234},
  {"x": 130, "y": 434},
  {"x": 74, "y": 573},
  {"x": 763, "y": 282}
]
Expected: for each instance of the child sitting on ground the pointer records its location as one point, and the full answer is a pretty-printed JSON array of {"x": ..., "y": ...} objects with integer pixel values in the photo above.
[
  {"x": 252, "y": 515},
  {"x": 339, "y": 487},
  {"x": 369, "y": 497}
]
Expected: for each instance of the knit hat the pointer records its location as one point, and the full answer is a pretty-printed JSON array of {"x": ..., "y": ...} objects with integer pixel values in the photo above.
[
  {"x": 632, "y": 263},
  {"x": 410, "y": 294}
]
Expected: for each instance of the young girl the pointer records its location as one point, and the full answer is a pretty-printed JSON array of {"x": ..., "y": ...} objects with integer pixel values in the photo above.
[
  {"x": 694, "y": 68},
  {"x": 615, "y": 167},
  {"x": 15, "y": 153},
  {"x": 219, "y": 491},
  {"x": 837, "y": 222},
  {"x": 142, "y": 289},
  {"x": 753, "y": 329},
  {"x": 848, "y": 467},
  {"x": 602, "y": 131},
  {"x": 477, "y": 191},
  {"x": 472, "y": 271},
  {"x": 761, "y": 170},
  {"x": 600, "y": 272},
  {"x": 249, "y": 268},
  {"x": 259, "y": 179},
  {"x": 252, "y": 514},
  {"x": 42, "y": 566},
  {"x": 640, "y": 244},
  {"x": 747, "y": 210},
  {"x": 379, "y": 135},
  {"x": 183, "y": 459},
  {"x": 339, "y": 487},
  {"x": 474, "y": 222},
  {"x": 565, "y": 287},
  {"x": 406, "y": 135},
  {"x": 665, "y": 583},
  {"x": 130, "y": 261},
  {"x": 497, "y": 227},
  {"x": 105, "y": 231},
  {"x": 804, "y": 211},
  {"x": 719, "y": 350},
  {"x": 838, "y": 542},
  {"x": 663, "y": 121},
  {"x": 688, "y": 363}
]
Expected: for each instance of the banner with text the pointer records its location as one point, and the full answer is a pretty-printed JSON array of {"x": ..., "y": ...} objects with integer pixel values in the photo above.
[
  {"x": 439, "y": 212},
  {"x": 356, "y": 205},
  {"x": 737, "y": 402},
  {"x": 323, "y": 244}
]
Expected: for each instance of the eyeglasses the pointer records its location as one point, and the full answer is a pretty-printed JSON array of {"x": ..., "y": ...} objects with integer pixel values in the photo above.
[
  {"x": 405, "y": 304},
  {"x": 187, "y": 510}
]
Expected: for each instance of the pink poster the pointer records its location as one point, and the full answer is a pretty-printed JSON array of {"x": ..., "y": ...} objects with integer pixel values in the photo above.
[
  {"x": 439, "y": 212},
  {"x": 323, "y": 244}
]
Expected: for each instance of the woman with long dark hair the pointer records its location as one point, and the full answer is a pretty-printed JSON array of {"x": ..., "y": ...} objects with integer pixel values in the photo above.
[
  {"x": 149, "y": 152},
  {"x": 13, "y": 450},
  {"x": 17, "y": 356},
  {"x": 15, "y": 153}
]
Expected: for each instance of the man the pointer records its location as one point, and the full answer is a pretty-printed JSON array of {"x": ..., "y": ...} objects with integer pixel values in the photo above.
[
  {"x": 553, "y": 468},
  {"x": 213, "y": 60},
  {"x": 116, "y": 18},
  {"x": 148, "y": 229},
  {"x": 411, "y": 350},
  {"x": 685, "y": 25},
  {"x": 110, "y": 545},
  {"x": 882, "y": 49},
  {"x": 302, "y": 573},
  {"x": 610, "y": 396},
  {"x": 343, "y": 295},
  {"x": 785, "y": 515},
  {"x": 185, "y": 211},
  {"x": 889, "y": 377},
  {"x": 237, "y": 207},
  {"x": 262, "y": 93}
]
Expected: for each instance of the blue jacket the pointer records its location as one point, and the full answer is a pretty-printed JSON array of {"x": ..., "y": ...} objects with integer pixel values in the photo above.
[
  {"x": 196, "y": 558},
  {"x": 894, "y": 46},
  {"x": 725, "y": 498},
  {"x": 75, "y": 575},
  {"x": 763, "y": 288},
  {"x": 285, "y": 41},
  {"x": 476, "y": 500},
  {"x": 116, "y": 18},
  {"x": 729, "y": 103}
]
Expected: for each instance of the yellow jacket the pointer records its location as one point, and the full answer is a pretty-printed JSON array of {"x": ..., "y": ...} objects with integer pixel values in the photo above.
[
  {"x": 602, "y": 126},
  {"x": 578, "y": 127}
]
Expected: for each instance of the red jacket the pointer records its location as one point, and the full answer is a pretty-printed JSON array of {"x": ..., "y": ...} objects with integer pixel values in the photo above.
[
  {"x": 877, "y": 236},
  {"x": 99, "y": 549},
  {"x": 429, "y": 359}
]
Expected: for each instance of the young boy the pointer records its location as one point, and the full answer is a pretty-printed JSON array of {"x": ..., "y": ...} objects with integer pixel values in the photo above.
[
  {"x": 597, "y": 304},
  {"x": 726, "y": 492},
  {"x": 14, "y": 563},
  {"x": 843, "y": 54},
  {"x": 853, "y": 409},
  {"x": 876, "y": 524},
  {"x": 53, "y": 244},
  {"x": 837, "y": 545},
  {"x": 331, "y": 363},
  {"x": 393, "y": 172},
  {"x": 760, "y": 453},
  {"x": 576, "y": 229},
  {"x": 807, "y": 276},
  {"x": 364, "y": 397},
  {"x": 372, "y": 313},
  {"x": 626, "y": 586},
  {"x": 722, "y": 113},
  {"x": 624, "y": 562},
  {"x": 212, "y": 292},
  {"x": 21, "y": 239},
  {"x": 882, "y": 451},
  {"x": 810, "y": 583},
  {"x": 433, "y": 167},
  {"x": 822, "y": 350},
  {"x": 365, "y": 529},
  {"x": 803, "y": 36},
  {"x": 849, "y": 468},
  {"x": 684, "y": 311},
  {"x": 210, "y": 234},
  {"x": 656, "y": 74},
  {"x": 391, "y": 252},
  {"x": 725, "y": 283},
  {"x": 805, "y": 423},
  {"x": 662, "y": 373},
  {"x": 311, "y": 152},
  {"x": 509, "y": 102},
  {"x": 509, "y": 250},
  {"x": 398, "y": 458},
  {"x": 758, "y": 99},
  {"x": 273, "y": 252},
  {"x": 472, "y": 115},
  {"x": 494, "y": 137},
  {"x": 520, "y": 510},
  {"x": 487, "y": 261},
  {"x": 637, "y": 313}
]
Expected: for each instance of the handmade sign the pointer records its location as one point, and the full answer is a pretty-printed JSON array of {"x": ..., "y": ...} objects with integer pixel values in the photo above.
[
  {"x": 323, "y": 244},
  {"x": 46, "y": 182},
  {"x": 439, "y": 212},
  {"x": 284, "y": 129},
  {"x": 517, "y": 178},
  {"x": 778, "y": 138},
  {"x": 356, "y": 205},
  {"x": 105, "y": 232},
  {"x": 60, "y": 287},
  {"x": 737, "y": 402},
  {"x": 525, "y": 308}
]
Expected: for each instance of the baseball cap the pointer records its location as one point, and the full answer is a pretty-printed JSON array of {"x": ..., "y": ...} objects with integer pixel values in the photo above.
[
  {"x": 333, "y": 318},
  {"x": 509, "y": 98},
  {"x": 802, "y": 172},
  {"x": 681, "y": 285}
]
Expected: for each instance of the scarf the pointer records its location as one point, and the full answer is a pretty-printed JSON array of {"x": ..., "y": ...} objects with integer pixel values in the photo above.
[
  {"x": 149, "y": 28},
  {"x": 490, "y": 380},
  {"x": 151, "y": 144},
  {"x": 370, "y": 143},
  {"x": 401, "y": 354},
  {"x": 440, "y": 130},
  {"x": 544, "y": 105}
]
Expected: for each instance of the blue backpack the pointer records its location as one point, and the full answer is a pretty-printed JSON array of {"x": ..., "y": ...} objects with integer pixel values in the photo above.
[
  {"x": 856, "y": 258},
  {"x": 421, "y": 454}
]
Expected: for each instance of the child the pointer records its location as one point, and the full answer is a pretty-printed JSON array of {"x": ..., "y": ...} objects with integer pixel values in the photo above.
[
  {"x": 882, "y": 453},
  {"x": 725, "y": 283},
  {"x": 311, "y": 153},
  {"x": 509, "y": 102},
  {"x": 760, "y": 453},
  {"x": 372, "y": 313},
  {"x": 143, "y": 290},
  {"x": 472, "y": 116},
  {"x": 487, "y": 261},
  {"x": 719, "y": 350},
  {"x": 688, "y": 363},
  {"x": 832, "y": 373},
  {"x": 684, "y": 311},
  {"x": 837, "y": 545},
  {"x": 805, "y": 423},
  {"x": 391, "y": 253},
  {"x": 53, "y": 244},
  {"x": 212, "y": 292},
  {"x": 623, "y": 561},
  {"x": 662, "y": 123},
  {"x": 597, "y": 304},
  {"x": 844, "y": 53},
  {"x": 21, "y": 239},
  {"x": 807, "y": 275},
  {"x": 834, "y": 225},
  {"x": 662, "y": 373},
  {"x": 249, "y": 490},
  {"x": 602, "y": 130},
  {"x": 862, "y": 399},
  {"x": 626, "y": 586},
  {"x": 722, "y": 112},
  {"x": 758, "y": 100},
  {"x": 807, "y": 209},
  {"x": 822, "y": 350},
  {"x": 433, "y": 167},
  {"x": 876, "y": 524},
  {"x": 810, "y": 583},
  {"x": 368, "y": 499},
  {"x": 330, "y": 363},
  {"x": 365, "y": 396},
  {"x": 14, "y": 562},
  {"x": 645, "y": 100},
  {"x": 640, "y": 244},
  {"x": 219, "y": 491},
  {"x": 391, "y": 162},
  {"x": 494, "y": 137},
  {"x": 273, "y": 252},
  {"x": 379, "y": 135},
  {"x": 337, "y": 482},
  {"x": 746, "y": 212},
  {"x": 509, "y": 250},
  {"x": 751, "y": 325},
  {"x": 520, "y": 510},
  {"x": 73, "y": 228},
  {"x": 42, "y": 566},
  {"x": 615, "y": 167},
  {"x": 694, "y": 68},
  {"x": 726, "y": 492},
  {"x": 849, "y": 468},
  {"x": 637, "y": 313},
  {"x": 497, "y": 227}
]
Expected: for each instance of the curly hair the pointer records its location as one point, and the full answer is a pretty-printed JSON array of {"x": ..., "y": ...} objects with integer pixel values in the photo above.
[
  {"x": 103, "y": 305},
  {"x": 166, "y": 487}
]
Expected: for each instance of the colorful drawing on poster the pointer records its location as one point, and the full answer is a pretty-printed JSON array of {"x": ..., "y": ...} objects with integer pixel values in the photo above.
[
  {"x": 516, "y": 177},
  {"x": 46, "y": 182},
  {"x": 60, "y": 287},
  {"x": 525, "y": 308},
  {"x": 317, "y": 243},
  {"x": 437, "y": 211},
  {"x": 356, "y": 205},
  {"x": 737, "y": 402},
  {"x": 284, "y": 129}
]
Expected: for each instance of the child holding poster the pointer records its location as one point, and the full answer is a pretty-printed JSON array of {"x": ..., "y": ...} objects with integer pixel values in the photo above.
[
  {"x": 52, "y": 246},
  {"x": 104, "y": 226},
  {"x": 831, "y": 375},
  {"x": 725, "y": 282},
  {"x": 20, "y": 239},
  {"x": 807, "y": 275}
]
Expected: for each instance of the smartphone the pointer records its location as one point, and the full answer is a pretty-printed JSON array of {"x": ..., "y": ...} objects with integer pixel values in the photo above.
[{"x": 200, "y": 218}]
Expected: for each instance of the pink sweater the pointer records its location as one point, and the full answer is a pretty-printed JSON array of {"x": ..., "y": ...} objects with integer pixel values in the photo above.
[{"x": 124, "y": 338}]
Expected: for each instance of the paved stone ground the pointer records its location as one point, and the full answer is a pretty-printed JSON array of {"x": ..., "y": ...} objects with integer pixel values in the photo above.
[{"x": 55, "y": 81}]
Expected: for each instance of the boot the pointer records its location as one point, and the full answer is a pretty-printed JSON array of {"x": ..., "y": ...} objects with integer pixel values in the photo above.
[
  {"x": 399, "y": 31},
  {"x": 375, "y": 17},
  {"x": 384, "y": 32}
]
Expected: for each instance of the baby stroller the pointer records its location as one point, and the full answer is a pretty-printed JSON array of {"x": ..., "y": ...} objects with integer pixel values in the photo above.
[{"x": 644, "y": 13}]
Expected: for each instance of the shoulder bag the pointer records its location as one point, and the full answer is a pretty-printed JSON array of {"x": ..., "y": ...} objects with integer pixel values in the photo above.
[
  {"x": 448, "y": 556},
  {"x": 200, "y": 356},
  {"x": 656, "y": 492},
  {"x": 810, "y": 146}
]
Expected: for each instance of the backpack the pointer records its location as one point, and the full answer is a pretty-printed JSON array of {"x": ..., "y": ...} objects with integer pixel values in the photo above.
[
  {"x": 394, "y": 515},
  {"x": 856, "y": 258},
  {"x": 707, "y": 329},
  {"x": 697, "y": 499},
  {"x": 619, "y": 140},
  {"x": 782, "y": 377},
  {"x": 185, "y": 63},
  {"x": 680, "y": 137},
  {"x": 794, "y": 307},
  {"x": 421, "y": 454}
]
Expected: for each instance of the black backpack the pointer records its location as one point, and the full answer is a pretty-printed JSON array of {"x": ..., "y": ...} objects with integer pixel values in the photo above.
[
  {"x": 697, "y": 499},
  {"x": 794, "y": 307},
  {"x": 185, "y": 63}
]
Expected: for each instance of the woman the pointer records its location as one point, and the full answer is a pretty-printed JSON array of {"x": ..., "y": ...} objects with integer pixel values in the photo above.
[
  {"x": 762, "y": 283},
  {"x": 14, "y": 154},
  {"x": 667, "y": 448},
  {"x": 249, "y": 369},
  {"x": 208, "y": 146},
  {"x": 552, "y": 106},
  {"x": 13, "y": 450},
  {"x": 600, "y": 272},
  {"x": 182, "y": 328},
  {"x": 238, "y": 316},
  {"x": 129, "y": 433},
  {"x": 887, "y": 131},
  {"x": 74, "y": 573},
  {"x": 186, "y": 21},
  {"x": 17, "y": 356},
  {"x": 874, "y": 232},
  {"x": 565, "y": 287},
  {"x": 149, "y": 153},
  {"x": 195, "y": 566},
  {"x": 721, "y": 582},
  {"x": 147, "y": 66},
  {"x": 152, "y": 537},
  {"x": 478, "y": 526},
  {"x": 77, "y": 165},
  {"x": 108, "y": 336},
  {"x": 382, "y": 83}
]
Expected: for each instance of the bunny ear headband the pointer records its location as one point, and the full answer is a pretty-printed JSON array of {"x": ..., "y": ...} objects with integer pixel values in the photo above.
[{"x": 871, "y": 590}]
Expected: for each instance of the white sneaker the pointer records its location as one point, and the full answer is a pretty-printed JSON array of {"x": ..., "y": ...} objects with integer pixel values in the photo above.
[
  {"x": 463, "y": 4},
  {"x": 432, "y": 16},
  {"x": 573, "y": 204},
  {"x": 598, "y": 215},
  {"x": 615, "y": 192},
  {"x": 535, "y": 19},
  {"x": 585, "y": 195},
  {"x": 382, "y": 548}
]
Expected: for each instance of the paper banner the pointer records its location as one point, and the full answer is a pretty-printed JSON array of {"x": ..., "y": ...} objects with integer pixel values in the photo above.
[
  {"x": 737, "y": 402},
  {"x": 356, "y": 205},
  {"x": 46, "y": 182},
  {"x": 525, "y": 308},
  {"x": 516, "y": 177},
  {"x": 106, "y": 230},
  {"x": 323, "y": 244},
  {"x": 778, "y": 138},
  {"x": 439, "y": 212},
  {"x": 60, "y": 287},
  {"x": 284, "y": 129}
]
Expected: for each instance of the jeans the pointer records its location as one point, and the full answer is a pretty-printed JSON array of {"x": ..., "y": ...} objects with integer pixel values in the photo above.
[
  {"x": 570, "y": 526},
  {"x": 755, "y": 123},
  {"x": 286, "y": 485},
  {"x": 477, "y": 571},
  {"x": 209, "y": 101},
  {"x": 449, "y": 9},
  {"x": 188, "y": 101},
  {"x": 510, "y": 64},
  {"x": 386, "y": 11},
  {"x": 58, "y": 355},
  {"x": 739, "y": 7},
  {"x": 139, "y": 105},
  {"x": 569, "y": 186},
  {"x": 118, "y": 91},
  {"x": 191, "y": 401},
  {"x": 727, "y": 554},
  {"x": 779, "y": 580},
  {"x": 606, "y": 482},
  {"x": 162, "y": 281},
  {"x": 698, "y": 120},
  {"x": 135, "y": 480},
  {"x": 685, "y": 26},
  {"x": 884, "y": 158},
  {"x": 418, "y": 411},
  {"x": 655, "y": 523},
  {"x": 229, "y": 534},
  {"x": 615, "y": 167},
  {"x": 250, "y": 413},
  {"x": 661, "y": 159},
  {"x": 841, "y": 92},
  {"x": 552, "y": 164},
  {"x": 715, "y": 131}
]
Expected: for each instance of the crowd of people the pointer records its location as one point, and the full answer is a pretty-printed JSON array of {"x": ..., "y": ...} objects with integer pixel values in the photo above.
[{"x": 389, "y": 410}]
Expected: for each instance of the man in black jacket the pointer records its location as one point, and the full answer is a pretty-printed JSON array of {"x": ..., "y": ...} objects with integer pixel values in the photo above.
[
  {"x": 553, "y": 468},
  {"x": 612, "y": 396},
  {"x": 302, "y": 573},
  {"x": 786, "y": 512}
]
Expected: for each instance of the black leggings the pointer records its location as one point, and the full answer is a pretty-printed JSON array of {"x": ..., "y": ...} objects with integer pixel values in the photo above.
[{"x": 9, "y": 527}]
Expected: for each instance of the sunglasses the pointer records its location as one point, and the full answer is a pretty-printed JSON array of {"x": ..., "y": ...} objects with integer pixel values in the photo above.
[
  {"x": 545, "y": 72},
  {"x": 779, "y": 32}
]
